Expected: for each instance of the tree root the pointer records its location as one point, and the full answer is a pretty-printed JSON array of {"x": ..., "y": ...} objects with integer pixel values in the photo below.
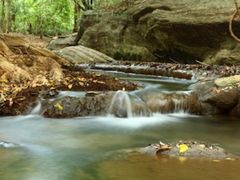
[{"x": 235, "y": 14}]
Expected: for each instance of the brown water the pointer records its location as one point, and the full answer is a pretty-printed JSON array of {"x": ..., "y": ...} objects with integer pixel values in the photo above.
[
  {"x": 144, "y": 168},
  {"x": 88, "y": 148}
]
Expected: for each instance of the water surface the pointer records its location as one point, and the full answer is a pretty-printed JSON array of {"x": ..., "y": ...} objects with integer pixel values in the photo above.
[{"x": 88, "y": 148}]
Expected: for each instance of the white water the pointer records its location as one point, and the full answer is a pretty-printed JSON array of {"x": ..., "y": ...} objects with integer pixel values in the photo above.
[
  {"x": 37, "y": 108},
  {"x": 136, "y": 122},
  {"x": 121, "y": 105}
]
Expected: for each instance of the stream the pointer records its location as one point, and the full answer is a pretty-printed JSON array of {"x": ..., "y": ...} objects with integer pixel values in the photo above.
[{"x": 87, "y": 148}]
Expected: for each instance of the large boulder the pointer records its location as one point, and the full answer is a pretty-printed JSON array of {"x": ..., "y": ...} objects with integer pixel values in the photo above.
[
  {"x": 217, "y": 97},
  {"x": 166, "y": 30},
  {"x": 63, "y": 46},
  {"x": 81, "y": 54},
  {"x": 61, "y": 42}
]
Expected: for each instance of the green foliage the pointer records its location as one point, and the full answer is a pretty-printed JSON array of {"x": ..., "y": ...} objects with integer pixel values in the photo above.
[
  {"x": 45, "y": 17},
  {"x": 49, "y": 16}
]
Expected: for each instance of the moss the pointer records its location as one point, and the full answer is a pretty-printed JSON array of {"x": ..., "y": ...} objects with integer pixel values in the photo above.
[{"x": 132, "y": 52}]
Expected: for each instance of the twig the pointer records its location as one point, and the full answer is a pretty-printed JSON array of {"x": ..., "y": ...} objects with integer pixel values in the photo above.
[
  {"x": 237, "y": 7},
  {"x": 202, "y": 63},
  {"x": 236, "y": 12}
]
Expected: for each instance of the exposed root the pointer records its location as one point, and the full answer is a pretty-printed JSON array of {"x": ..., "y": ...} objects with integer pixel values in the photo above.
[{"x": 235, "y": 14}]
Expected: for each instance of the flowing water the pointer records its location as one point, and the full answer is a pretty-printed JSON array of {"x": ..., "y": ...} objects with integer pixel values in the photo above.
[{"x": 87, "y": 148}]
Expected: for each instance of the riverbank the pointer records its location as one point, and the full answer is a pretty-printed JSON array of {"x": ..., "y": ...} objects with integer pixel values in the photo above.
[{"x": 28, "y": 71}]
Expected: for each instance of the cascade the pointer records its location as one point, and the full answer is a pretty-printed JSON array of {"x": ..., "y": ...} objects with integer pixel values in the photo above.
[
  {"x": 121, "y": 105},
  {"x": 37, "y": 108}
]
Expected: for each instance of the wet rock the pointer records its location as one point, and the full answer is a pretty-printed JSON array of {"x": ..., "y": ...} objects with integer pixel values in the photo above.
[
  {"x": 95, "y": 104},
  {"x": 173, "y": 102},
  {"x": 216, "y": 100},
  {"x": 5, "y": 144},
  {"x": 140, "y": 109},
  {"x": 190, "y": 149},
  {"x": 228, "y": 81},
  {"x": 193, "y": 72},
  {"x": 124, "y": 104},
  {"x": 146, "y": 69},
  {"x": 236, "y": 110},
  {"x": 68, "y": 107}
]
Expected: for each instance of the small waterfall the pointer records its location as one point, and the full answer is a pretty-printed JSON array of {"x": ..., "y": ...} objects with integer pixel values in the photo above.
[
  {"x": 179, "y": 105},
  {"x": 121, "y": 105},
  {"x": 171, "y": 103},
  {"x": 37, "y": 108},
  {"x": 139, "y": 107},
  {"x": 182, "y": 102}
]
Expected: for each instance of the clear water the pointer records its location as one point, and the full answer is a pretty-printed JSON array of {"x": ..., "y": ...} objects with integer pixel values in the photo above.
[{"x": 86, "y": 148}]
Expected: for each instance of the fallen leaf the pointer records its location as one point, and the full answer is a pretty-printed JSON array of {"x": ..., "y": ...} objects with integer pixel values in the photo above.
[
  {"x": 183, "y": 148},
  {"x": 58, "y": 106},
  {"x": 81, "y": 84},
  {"x": 70, "y": 86}
]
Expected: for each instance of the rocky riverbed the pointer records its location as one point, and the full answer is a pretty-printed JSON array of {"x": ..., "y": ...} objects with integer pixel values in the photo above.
[{"x": 212, "y": 94}]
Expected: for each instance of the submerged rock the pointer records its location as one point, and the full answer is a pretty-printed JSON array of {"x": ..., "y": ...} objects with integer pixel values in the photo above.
[
  {"x": 5, "y": 144},
  {"x": 190, "y": 149}
]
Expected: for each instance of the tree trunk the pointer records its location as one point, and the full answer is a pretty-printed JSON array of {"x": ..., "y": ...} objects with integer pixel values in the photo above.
[
  {"x": 41, "y": 27},
  {"x": 9, "y": 16},
  {"x": 76, "y": 16},
  {"x": 6, "y": 16},
  {"x": 3, "y": 17}
]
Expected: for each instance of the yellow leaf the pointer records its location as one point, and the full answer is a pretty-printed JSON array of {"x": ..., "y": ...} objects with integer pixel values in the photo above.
[
  {"x": 70, "y": 86},
  {"x": 81, "y": 84},
  {"x": 58, "y": 106},
  {"x": 183, "y": 148}
]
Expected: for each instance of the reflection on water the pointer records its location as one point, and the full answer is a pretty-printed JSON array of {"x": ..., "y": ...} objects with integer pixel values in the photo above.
[
  {"x": 79, "y": 148},
  {"x": 145, "y": 168}
]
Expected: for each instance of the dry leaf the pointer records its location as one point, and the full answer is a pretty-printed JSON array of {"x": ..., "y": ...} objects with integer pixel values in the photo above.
[
  {"x": 58, "y": 106},
  {"x": 183, "y": 148},
  {"x": 70, "y": 86}
]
